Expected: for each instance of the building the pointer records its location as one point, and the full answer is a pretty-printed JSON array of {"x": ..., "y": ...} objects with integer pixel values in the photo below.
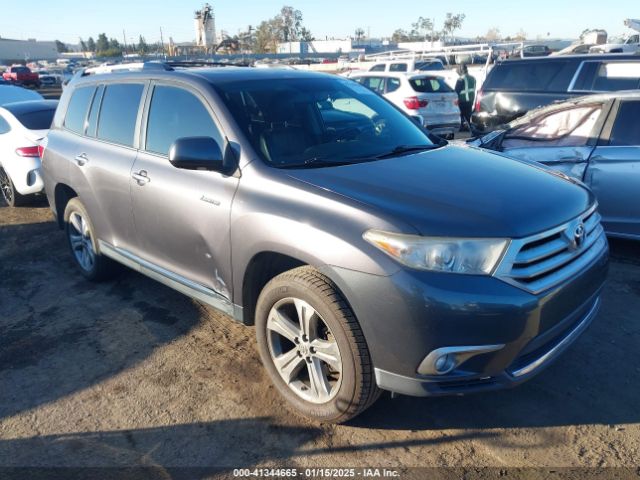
[
  {"x": 205, "y": 24},
  {"x": 317, "y": 46},
  {"x": 26, "y": 50}
]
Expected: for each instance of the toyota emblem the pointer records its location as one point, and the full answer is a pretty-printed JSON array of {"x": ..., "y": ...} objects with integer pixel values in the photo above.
[{"x": 578, "y": 236}]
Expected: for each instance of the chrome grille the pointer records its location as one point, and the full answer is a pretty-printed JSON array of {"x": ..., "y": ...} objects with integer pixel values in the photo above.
[{"x": 542, "y": 261}]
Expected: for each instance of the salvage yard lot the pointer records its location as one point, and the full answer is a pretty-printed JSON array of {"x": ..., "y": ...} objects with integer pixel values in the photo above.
[{"x": 130, "y": 372}]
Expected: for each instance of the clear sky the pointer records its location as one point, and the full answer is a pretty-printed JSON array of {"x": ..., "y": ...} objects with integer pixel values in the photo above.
[{"x": 67, "y": 20}]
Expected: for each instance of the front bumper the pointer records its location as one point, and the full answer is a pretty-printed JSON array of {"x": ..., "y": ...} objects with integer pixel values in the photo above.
[{"x": 407, "y": 315}]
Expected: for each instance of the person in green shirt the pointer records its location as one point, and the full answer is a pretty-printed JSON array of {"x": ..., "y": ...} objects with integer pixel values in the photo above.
[{"x": 466, "y": 90}]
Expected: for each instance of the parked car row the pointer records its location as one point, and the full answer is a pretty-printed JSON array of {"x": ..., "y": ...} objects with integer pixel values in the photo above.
[{"x": 368, "y": 254}]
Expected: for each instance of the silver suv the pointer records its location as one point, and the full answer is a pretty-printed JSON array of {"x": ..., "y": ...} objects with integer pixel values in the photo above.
[{"x": 367, "y": 256}]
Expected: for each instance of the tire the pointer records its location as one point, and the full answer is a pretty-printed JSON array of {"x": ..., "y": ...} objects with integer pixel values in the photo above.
[
  {"x": 342, "y": 392},
  {"x": 83, "y": 244},
  {"x": 9, "y": 192}
]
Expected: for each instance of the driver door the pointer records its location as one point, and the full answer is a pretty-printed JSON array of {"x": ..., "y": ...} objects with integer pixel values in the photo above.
[{"x": 182, "y": 216}]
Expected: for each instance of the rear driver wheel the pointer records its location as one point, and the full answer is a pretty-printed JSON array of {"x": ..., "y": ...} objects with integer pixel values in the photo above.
[
  {"x": 313, "y": 348},
  {"x": 84, "y": 245}
]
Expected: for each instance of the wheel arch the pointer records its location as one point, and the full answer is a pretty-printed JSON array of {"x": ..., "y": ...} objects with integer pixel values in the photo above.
[
  {"x": 62, "y": 194},
  {"x": 262, "y": 267}
]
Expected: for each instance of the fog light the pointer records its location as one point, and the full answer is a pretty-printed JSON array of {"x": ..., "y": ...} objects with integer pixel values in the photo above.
[
  {"x": 445, "y": 359},
  {"x": 445, "y": 363}
]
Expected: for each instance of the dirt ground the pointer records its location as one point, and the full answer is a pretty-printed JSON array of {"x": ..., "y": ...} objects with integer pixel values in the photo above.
[{"x": 132, "y": 373}]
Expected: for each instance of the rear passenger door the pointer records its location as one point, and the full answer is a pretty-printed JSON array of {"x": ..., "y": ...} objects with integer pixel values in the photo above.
[
  {"x": 182, "y": 216},
  {"x": 614, "y": 171},
  {"x": 104, "y": 119}
]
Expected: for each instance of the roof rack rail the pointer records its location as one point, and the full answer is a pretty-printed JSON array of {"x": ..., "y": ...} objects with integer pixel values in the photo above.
[
  {"x": 204, "y": 63},
  {"x": 166, "y": 66}
]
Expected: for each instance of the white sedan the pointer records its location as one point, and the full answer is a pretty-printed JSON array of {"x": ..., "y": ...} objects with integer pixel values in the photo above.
[
  {"x": 425, "y": 97},
  {"x": 22, "y": 126}
]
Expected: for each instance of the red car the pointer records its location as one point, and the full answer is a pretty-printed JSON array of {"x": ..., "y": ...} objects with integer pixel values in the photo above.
[{"x": 22, "y": 76}]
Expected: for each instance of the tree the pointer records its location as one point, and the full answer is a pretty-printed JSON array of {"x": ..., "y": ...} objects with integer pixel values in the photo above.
[
  {"x": 102, "y": 44},
  {"x": 452, "y": 23},
  {"x": 421, "y": 28},
  {"x": 114, "y": 44},
  {"x": 61, "y": 47},
  {"x": 493, "y": 34},
  {"x": 83, "y": 46},
  {"x": 359, "y": 34},
  {"x": 290, "y": 21},
  {"x": 400, "y": 35},
  {"x": 306, "y": 35},
  {"x": 267, "y": 36},
  {"x": 142, "y": 46},
  {"x": 521, "y": 36},
  {"x": 91, "y": 44}
]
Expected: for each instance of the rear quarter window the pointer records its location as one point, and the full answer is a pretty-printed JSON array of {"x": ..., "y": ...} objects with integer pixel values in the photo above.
[
  {"x": 77, "y": 109},
  {"x": 119, "y": 112},
  {"x": 538, "y": 76},
  {"x": 608, "y": 76}
]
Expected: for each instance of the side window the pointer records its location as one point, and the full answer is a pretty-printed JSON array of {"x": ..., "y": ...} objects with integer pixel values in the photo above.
[
  {"x": 374, "y": 83},
  {"x": 626, "y": 130},
  {"x": 4, "y": 126},
  {"x": 92, "y": 121},
  {"x": 176, "y": 113},
  {"x": 77, "y": 109},
  {"x": 377, "y": 68},
  {"x": 613, "y": 76},
  {"x": 393, "y": 84},
  {"x": 398, "y": 67},
  {"x": 119, "y": 111}
]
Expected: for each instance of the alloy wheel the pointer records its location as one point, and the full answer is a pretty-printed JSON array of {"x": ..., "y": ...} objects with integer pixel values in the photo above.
[
  {"x": 80, "y": 240},
  {"x": 304, "y": 351},
  {"x": 5, "y": 185}
]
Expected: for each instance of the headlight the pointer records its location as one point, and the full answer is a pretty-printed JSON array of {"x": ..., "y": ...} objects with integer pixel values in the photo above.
[{"x": 472, "y": 256}]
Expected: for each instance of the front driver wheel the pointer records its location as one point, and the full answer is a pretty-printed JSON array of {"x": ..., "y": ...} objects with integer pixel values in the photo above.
[{"x": 313, "y": 348}]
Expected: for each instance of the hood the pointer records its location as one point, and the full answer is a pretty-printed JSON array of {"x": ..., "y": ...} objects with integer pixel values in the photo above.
[{"x": 457, "y": 191}]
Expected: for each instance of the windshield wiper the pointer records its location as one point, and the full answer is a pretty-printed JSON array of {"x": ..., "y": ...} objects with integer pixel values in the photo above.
[
  {"x": 402, "y": 149},
  {"x": 316, "y": 162}
]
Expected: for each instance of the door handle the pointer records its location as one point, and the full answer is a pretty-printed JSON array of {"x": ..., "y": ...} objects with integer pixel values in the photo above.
[
  {"x": 81, "y": 159},
  {"x": 141, "y": 177}
]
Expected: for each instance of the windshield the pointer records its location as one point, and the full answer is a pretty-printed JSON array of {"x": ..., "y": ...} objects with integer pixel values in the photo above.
[{"x": 296, "y": 122}]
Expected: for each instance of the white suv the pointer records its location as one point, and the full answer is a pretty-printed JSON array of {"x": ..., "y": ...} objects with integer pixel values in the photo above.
[{"x": 423, "y": 96}]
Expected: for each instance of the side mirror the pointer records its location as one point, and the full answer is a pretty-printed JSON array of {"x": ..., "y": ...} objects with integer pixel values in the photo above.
[{"x": 196, "y": 153}]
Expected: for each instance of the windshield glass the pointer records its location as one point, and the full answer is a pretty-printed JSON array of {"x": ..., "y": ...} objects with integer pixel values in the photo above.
[{"x": 294, "y": 122}]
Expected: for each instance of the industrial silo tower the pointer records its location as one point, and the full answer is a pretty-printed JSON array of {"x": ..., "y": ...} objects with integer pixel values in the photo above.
[{"x": 205, "y": 23}]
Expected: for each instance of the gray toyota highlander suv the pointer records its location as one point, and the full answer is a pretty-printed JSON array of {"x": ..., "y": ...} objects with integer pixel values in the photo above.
[{"x": 367, "y": 256}]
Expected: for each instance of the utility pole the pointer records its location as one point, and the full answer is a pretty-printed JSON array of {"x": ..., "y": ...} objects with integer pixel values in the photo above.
[
  {"x": 124, "y": 37},
  {"x": 162, "y": 41}
]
